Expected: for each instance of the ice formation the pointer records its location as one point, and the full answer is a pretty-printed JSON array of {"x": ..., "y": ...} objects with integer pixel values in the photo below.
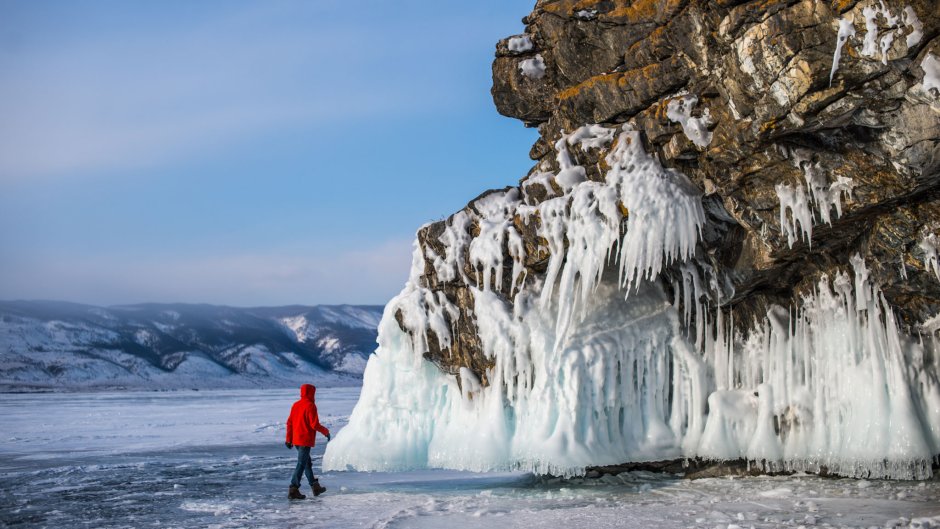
[
  {"x": 846, "y": 30},
  {"x": 931, "y": 67},
  {"x": 904, "y": 23},
  {"x": 519, "y": 44},
  {"x": 929, "y": 245},
  {"x": 594, "y": 365},
  {"x": 825, "y": 196},
  {"x": 534, "y": 67},
  {"x": 916, "y": 26},
  {"x": 793, "y": 199},
  {"x": 586, "y": 14},
  {"x": 798, "y": 223},
  {"x": 679, "y": 110}
]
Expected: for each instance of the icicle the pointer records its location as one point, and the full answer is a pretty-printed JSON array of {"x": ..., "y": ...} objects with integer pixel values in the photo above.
[
  {"x": 929, "y": 245},
  {"x": 846, "y": 30},
  {"x": 794, "y": 200},
  {"x": 455, "y": 239},
  {"x": 825, "y": 196},
  {"x": 486, "y": 249},
  {"x": 665, "y": 212}
]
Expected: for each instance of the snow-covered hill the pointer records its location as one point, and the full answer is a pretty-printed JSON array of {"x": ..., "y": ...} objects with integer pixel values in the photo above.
[{"x": 56, "y": 345}]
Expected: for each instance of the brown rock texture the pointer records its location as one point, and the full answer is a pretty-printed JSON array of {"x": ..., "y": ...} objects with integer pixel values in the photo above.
[{"x": 756, "y": 74}]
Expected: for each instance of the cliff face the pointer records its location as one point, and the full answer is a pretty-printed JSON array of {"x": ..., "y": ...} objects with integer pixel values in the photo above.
[
  {"x": 827, "y": 110},
  {"x": 726, "y": 250}
]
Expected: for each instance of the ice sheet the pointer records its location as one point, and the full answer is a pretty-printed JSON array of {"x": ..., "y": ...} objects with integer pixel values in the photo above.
[{"x": 214, "y": 483}]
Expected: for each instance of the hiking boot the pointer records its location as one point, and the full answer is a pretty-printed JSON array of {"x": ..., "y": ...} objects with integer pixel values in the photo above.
[
  {"x": 317, "y": 489},
  {"x": 294, "y": 494}
]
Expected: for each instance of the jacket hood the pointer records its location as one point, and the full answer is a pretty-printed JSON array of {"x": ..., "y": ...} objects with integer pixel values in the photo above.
[{"x": 307, "y": 391}]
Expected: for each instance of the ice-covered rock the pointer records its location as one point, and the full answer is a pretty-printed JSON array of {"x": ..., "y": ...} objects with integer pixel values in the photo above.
[{"x": 751, "y": 282}]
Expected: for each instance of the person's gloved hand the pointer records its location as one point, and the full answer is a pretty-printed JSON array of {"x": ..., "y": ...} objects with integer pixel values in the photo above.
[
  {"x": 288, "y": 445},
  {"x": 328, "y": 437}
]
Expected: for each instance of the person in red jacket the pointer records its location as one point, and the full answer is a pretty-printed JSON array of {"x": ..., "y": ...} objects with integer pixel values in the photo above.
[{"x": 302, "y": 427}]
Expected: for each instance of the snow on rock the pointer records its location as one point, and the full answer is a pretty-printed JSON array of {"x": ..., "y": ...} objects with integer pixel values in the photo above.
[
  {"x": 879, "y": 17},
  {"x": 520, "y": 44},
  {"x": 586, "y": 14},
  {"x": 486, "y": 250},
  {"x": 915, "y": 26},
  {"x": 455, "y": 239},
  {"x": 679, "y": 110},
  {"x": 882, "y": 27},
  {"x": 298, "y": 326},
  {"x": 931, "y": 325},
  {"x": 931, "y": 67},
  {"x": 543, "y": 179},
  {"x": 534, "y": 67}
]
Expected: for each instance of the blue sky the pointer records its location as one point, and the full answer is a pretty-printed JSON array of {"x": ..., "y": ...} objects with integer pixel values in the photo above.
[{"x": 241, "y": 153}]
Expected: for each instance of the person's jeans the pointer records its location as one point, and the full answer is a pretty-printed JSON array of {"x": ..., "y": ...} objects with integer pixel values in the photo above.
[{"x": 304, "y": 466}]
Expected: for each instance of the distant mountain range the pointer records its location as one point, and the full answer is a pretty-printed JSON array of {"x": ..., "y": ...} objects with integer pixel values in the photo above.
[{"x": 49, "y": 345}]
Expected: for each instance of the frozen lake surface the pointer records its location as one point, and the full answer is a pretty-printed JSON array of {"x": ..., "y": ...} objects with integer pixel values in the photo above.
[{"x": 217, "y": 459}]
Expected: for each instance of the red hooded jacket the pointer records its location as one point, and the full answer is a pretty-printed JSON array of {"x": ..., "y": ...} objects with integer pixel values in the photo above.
[{"x": 304, "y": 423}]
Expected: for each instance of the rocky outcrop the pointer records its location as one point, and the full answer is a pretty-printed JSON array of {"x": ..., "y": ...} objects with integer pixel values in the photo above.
[{"x": 810, "y": 128}]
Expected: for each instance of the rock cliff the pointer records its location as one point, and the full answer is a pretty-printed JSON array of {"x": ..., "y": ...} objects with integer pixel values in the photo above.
[
  {"x": 829, "y": 111},
  {"x": 726, "y": 250}
]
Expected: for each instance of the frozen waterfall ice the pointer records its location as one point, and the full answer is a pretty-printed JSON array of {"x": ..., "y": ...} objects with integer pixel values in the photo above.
[{"x": 595, "y": 365}]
